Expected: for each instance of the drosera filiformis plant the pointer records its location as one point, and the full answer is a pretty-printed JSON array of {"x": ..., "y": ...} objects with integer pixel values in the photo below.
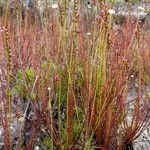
[{"x": 73, "y": 78}]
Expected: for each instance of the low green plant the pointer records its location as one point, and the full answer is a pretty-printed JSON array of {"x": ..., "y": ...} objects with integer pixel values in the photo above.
[{"x": 19, "y": 88}]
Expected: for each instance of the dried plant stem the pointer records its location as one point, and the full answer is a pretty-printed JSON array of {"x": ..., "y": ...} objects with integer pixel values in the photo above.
[
  {"x": 50, "y": 116},
  {"x": 8, "y": 56},
  {"x": 29, "y": 101},
  {"x": 59, "y": 113}
]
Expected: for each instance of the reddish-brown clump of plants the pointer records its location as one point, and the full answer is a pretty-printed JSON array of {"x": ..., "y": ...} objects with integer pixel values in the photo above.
[{"x": 66, "y": 85}]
